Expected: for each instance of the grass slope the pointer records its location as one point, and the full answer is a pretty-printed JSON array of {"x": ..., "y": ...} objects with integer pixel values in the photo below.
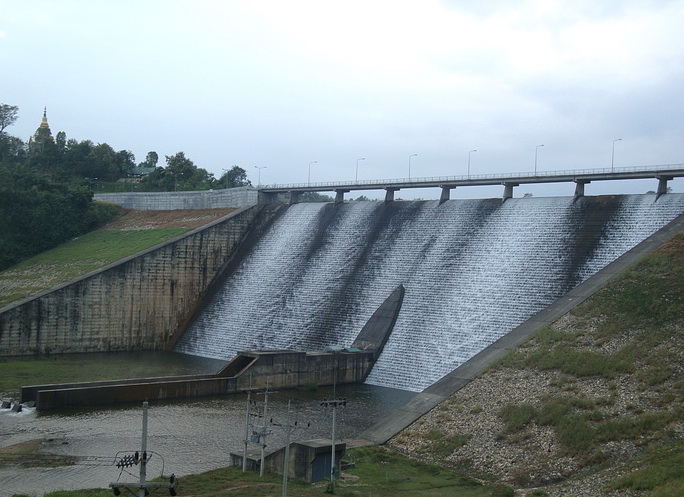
[
  {"x": 75, "y": 258},
  {"x": 129, "y": 234}
]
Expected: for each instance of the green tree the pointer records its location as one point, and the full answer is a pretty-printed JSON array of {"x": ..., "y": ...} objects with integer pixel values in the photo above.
[
  {"x": 179, "y": 174},
  {"x": 234, "y": 177},
  {"x": 61, "y": 141},
  {"x": 12, "y": 149},
  {"x": 151, "y": 160},
  {"x": 315, "y": 197},
  {"x": 37, "y": 214},
  {"x": 8, "y": 115},
  {"x": 125, "y": 161}
]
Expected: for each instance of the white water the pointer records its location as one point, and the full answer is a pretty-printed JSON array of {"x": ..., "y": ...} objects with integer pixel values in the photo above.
[{"x": 473, "y": 270}]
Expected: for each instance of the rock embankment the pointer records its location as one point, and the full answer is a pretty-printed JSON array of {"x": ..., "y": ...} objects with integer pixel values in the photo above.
[{"x": 536, "y": 452}]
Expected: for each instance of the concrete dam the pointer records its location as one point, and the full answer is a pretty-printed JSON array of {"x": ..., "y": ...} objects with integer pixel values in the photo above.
[{"x": 473, "y": 270}]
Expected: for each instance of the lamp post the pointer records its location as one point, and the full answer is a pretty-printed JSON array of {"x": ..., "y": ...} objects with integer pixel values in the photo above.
[
  {"x": 410, "y": 156},
  {"x": 357, "y": 168},
  {"x": 309, "y": 177},
  {"x": 612, "y": 155},
  {"x": 469, "y": 154},
  {"x": 259, "y": 175},
  {"x": 536, "y": 149}
]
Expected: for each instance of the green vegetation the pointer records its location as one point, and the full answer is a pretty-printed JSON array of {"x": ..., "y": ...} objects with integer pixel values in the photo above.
[
  {"x": 581, "y": 426},
  {"x": 661, "y": 473},
  {"x": 77, "y": 257},
  {"x": 632, "y": 330},
  {"x": 376, "y": 472},
  {"x": 36, "y": 214},
  {"x": 16, "y": 372},
  {"x": 444, "y": 444},
  {"x": 46, "y": 192}
]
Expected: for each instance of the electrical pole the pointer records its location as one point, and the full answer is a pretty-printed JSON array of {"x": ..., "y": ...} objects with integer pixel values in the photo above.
[
  {"x": 143, "y": 487},
  {"x": 289, "y": 428},
  {"x": 143, "y": 452},
  {"x": 263, "y": 432},
  {"x": 334, "y": 403},
  {"x": 244, "y": 453}
]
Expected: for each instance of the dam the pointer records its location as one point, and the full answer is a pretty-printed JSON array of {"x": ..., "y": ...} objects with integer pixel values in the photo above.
[{"x": 472, "y": 270}]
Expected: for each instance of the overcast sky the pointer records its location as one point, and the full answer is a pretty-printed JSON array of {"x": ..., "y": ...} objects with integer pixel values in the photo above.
[{"x": 279, "y": 84}]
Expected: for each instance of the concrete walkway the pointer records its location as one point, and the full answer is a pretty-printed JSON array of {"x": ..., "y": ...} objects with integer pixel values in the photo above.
[{"x": 400, "y": 419}]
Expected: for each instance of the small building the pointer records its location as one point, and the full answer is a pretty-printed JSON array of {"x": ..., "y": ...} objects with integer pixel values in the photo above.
[{"x": 310, "y": 460}]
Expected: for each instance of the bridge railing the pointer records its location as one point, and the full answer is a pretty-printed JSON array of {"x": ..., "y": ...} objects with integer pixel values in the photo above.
[{"x": 476, "y": 177}]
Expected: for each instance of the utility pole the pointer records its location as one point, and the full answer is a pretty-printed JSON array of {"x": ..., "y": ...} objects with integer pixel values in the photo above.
[
  {"x": 143, "y": 487},
  {"x": 262, "y": 434},
  {"x": 289, "y": 428},
  {"x": 143, "y": 452},
  {"x": 334, "y": 403},
  {"x": 244, "y": 452},
  {"x": 258, "y": 429}
]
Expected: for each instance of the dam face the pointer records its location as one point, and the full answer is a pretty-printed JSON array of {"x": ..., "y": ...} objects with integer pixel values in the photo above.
[{"x": 473, "y": 270}]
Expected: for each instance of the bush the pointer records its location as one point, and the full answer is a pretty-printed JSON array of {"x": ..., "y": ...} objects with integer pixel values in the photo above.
[{"x": 517, "y": 416}]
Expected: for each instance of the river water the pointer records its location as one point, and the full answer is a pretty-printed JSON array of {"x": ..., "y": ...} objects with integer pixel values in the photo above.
[{"x": 186, "y": 437}]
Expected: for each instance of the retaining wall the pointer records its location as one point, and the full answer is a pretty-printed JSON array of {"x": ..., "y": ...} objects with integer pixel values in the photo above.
[
  {"x": 137, "y": 303},
  {"x": 207, "y": 199}
]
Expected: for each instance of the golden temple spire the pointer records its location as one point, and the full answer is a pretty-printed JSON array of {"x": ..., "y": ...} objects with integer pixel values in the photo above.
[{"x": 44, "y": 123}]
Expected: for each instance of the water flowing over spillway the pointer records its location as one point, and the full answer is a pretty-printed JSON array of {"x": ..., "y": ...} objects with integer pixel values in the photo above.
[{"x": 473, "y": 270}]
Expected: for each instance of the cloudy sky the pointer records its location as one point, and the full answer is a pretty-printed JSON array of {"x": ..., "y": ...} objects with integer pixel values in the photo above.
[{"x": 280, "y": 84}]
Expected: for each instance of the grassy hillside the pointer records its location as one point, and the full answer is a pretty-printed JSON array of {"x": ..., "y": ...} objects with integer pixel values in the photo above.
[
  {"x": 133, "y": 232},
  {"x": 593, "y": 405}
]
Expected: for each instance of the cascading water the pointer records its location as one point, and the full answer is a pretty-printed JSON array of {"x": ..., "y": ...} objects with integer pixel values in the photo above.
[{"x": 473, "y": 270}]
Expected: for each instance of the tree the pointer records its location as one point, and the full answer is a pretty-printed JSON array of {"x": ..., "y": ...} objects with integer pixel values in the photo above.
[
  {"x": 8, "y": 115},
  {"x": 180, "y": 173},
  {"x": 125, "y": 161},
  {"x": 61, "y": 141},
  {"x": 150, "y": 160},
  {"x": 12, "y": 149},
  {"x": 234, "y": 177},
  {"x": 315, "y": 197},
  {"x": 37, "y": 214}
]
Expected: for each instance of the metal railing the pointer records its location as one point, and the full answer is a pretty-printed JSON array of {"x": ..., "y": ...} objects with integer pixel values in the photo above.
[{"x": 474, "y": 178}]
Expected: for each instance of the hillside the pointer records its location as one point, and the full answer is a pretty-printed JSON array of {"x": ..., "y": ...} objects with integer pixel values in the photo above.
[
  {"x": 592, "y": 405},
  {"x": 127, "y": 235}
]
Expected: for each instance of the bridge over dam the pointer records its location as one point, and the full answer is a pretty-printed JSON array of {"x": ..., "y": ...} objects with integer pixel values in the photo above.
[
  {"x": 307, "y": 276},
  {"x": 580, "y": 177}
]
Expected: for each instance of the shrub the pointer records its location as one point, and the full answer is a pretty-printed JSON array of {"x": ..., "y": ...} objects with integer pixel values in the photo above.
[{"x": 517, "y": 416}]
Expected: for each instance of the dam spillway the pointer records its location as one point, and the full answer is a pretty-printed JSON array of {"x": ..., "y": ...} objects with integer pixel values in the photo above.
[{"x": 472, "y": 269}]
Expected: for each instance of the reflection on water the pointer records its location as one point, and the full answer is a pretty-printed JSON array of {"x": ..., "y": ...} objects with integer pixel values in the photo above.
[{"x": 187, "y": 436}]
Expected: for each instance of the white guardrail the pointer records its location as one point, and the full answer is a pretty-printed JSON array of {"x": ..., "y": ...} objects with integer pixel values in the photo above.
[{"x": 481, "y": 177}]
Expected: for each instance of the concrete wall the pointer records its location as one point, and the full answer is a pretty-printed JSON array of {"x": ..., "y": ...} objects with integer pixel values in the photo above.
[
  {"x": 208, "y": 199},
  {"x": 136, "y": 303},
  {"x": 267, "y": 369}
]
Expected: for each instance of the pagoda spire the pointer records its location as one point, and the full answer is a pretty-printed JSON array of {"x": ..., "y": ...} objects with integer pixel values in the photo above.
[
  {"x": 44, "y": 122},
  {"x": 42, "y": 134}
]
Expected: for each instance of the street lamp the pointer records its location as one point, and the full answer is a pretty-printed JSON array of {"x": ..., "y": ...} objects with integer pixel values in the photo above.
[
  {"x": 469, "y": 153},
  {"x": 357, "y": 167},
  {"x": 612, "y": 155},
  {"x": 309, "y": 177},
  {"x": 536, "y": 149},
  {"x": 412, "y": 155},
  {"x": 259, "y": 175}
]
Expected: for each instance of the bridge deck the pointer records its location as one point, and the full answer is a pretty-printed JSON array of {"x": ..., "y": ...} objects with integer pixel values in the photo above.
[{"x": 660, "y": 172}]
